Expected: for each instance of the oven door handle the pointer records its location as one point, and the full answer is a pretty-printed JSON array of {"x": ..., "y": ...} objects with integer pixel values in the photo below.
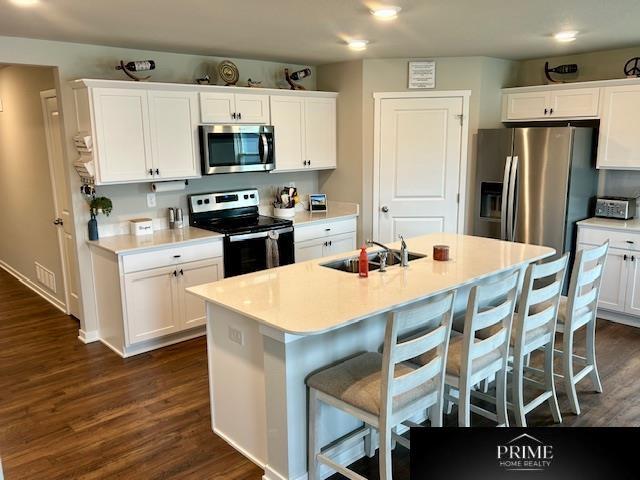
[
  {"x": 252, "y": 236},
  {"x": 265, "y": 148}
]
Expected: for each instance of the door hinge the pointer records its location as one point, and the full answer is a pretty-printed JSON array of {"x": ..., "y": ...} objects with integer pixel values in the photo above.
[
  {"x": 458, "y": 198},
  {"x": 460, "y": 117}
]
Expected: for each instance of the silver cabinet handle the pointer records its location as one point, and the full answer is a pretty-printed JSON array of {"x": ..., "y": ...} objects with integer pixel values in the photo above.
[{"x": 385, "y": 209}]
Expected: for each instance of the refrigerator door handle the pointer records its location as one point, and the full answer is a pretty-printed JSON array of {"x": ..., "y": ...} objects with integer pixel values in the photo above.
[
  {"x": 512, "y": 194},
  {"x": 505, "y": 204}
]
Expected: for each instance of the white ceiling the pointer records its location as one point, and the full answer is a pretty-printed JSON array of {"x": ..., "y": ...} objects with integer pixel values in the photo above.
[{"x": 313, "y": 32}]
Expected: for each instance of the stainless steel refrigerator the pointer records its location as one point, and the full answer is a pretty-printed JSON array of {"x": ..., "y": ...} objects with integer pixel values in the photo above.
[{"x": 534, "y": 183}]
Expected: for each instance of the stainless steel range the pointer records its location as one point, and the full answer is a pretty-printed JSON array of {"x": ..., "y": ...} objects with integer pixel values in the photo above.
[{"x": 252, "y": 241}]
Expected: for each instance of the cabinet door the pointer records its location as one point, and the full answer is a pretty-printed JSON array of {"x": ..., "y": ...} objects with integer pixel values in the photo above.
[
  {"x": 217, "y": 107},
  {"x": 575, "y": 102},
  {"x": 192, "y": 274},
  {"x": 345, "y": 243},
  {"x": 174, "y": 126},
  {"x": 121, "y": 122},
  {"x": 310, "y": 249},
  {"x": 287, "y": 118},
  {"x": 252, "y": 109},
  {"x": 320, "y": 132},
  {"x": 152, "y": 304},
  {"x": 619, "y": 142},
  {"x": 522, "y": 106},
  {"x": 613, "y": 285},
  {"x": 632, "y": 300}
]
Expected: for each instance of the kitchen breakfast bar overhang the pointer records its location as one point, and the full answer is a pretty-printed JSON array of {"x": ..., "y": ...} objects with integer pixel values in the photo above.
[{"x": 267, "y": 331}]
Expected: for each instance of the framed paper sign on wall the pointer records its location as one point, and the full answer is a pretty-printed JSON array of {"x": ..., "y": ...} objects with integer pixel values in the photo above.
[{"x": 422, "y": 74}]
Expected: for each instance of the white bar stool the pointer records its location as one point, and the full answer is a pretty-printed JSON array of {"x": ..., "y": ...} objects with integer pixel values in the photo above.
[
  {"x": 384, "y": 390},
  {"x": 534, "y": 328},
  {"x": 470, "y": 360},
  {"x": 579, "y": 310}
]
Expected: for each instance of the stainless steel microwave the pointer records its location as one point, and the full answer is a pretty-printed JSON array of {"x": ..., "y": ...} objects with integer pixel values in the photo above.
[{"x": 236, "y": 148}]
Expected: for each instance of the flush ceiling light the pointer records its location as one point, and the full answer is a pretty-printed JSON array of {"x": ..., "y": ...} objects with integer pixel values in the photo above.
[
  {"x": 566, "y": 36},
  {"x": 25, "y": 3},
  {"x": 358, "y": 45},
  {"x": 386, "y": 13}
]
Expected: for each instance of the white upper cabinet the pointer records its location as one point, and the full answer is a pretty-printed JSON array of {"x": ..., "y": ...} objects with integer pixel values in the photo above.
[
  {"x": 174, "y": 134},
  {"x": 550, "y": 103},
  {"x": 225, "y": 107},
  {"x": 122, "y": 139},
  {"x": 574, "y": 102},
  {"x": 320, "y": 132},
  {"x": 619, "y": 143},
  {"x": 522, "y": 106},
  {"x": 304, "y": 132},
  {"x": 287, "y": 118}
]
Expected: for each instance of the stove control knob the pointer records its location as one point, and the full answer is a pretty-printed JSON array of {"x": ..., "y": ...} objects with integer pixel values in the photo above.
[
  {"x": 199, "y": 202},
  {"x": 246, "y": 197},
  {"x": 206, "y": 200},
  {"x": 253, "y": 195}
]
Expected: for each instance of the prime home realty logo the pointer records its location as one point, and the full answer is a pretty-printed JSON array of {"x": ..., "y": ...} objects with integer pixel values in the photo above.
[{"x": 525, "y": 453}]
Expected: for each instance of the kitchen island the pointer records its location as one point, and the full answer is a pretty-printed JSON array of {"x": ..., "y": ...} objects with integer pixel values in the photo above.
[{"x": 267, "y": 331}]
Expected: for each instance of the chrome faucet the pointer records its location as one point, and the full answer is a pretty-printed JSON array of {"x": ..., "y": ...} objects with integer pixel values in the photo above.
[{"x": 403, "y": 257}]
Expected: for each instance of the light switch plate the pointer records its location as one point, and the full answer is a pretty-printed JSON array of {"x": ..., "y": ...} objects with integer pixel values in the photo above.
[{"x": 151, "y": 200}]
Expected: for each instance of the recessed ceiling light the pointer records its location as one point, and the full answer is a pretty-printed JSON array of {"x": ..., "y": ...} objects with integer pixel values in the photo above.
[
  {"x": 386, "y": 13},
  {"x": 26, "y": 3},
  {"x": 566, "y": 36},
  {"x": 358, "y": 44}
]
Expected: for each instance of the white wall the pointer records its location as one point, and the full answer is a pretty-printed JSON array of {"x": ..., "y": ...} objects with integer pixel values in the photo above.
[
  {"x": 26, "y": 196},
  {"x": 91, "y": 61}
]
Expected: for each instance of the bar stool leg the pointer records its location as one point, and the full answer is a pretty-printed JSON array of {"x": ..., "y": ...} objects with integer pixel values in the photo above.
[
  {"x": 591, "y": 355},
  {"x": 517, "y": 387},
  {"x": 370, "y": 443},
  {"x": 567, "y": 360},
  {"x": 314, "y": 447},
  {"x": 464, "y": 405},
  {"x": 501, "y": 398},
  {"x": 549, "y": 383},
  {"x": 385, "y": 453}
]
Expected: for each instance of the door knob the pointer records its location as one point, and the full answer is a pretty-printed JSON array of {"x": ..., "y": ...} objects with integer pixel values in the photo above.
[
  {"x": 385, "y": 209},
  {"x": 58, "y": 221}
]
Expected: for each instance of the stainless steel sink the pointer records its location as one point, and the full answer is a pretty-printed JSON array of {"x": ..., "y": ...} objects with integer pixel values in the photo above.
[{"x": 352, "y": 264}]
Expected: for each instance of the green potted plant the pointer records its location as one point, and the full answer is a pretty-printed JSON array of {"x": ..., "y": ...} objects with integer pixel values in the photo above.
[{"x": 96, "y": 206}]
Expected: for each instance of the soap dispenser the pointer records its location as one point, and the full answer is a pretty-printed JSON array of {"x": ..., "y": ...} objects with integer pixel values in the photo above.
[{"x": 363, "y": 263}]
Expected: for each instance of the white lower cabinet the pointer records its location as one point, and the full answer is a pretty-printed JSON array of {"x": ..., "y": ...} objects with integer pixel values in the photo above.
[
  {"x": 620, "y": 285},
  {"x": 157, "y": 303},
  {"x": 141, "y": 297},
  {"x": 323, "y": 239}
]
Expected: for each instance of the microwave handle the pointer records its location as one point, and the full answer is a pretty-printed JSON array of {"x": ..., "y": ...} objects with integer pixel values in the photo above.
[{"x": 265, "y": 148}]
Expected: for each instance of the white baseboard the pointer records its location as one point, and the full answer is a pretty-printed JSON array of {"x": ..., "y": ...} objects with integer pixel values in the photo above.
[
  {"x": 88, "y": 337},
  {"x": 622, "y": 318},
  {"x": 35, "y": 287},
  {"x": 242, "y": 451}
]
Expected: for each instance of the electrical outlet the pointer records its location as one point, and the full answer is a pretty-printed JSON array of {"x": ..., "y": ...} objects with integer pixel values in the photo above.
[
  {"x": 236, "y": 336},
  {"x": 151, "y": 200}
]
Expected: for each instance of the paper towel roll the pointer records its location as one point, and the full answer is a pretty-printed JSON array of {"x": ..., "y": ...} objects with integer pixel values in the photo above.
[{"x": 168, "y": 186}]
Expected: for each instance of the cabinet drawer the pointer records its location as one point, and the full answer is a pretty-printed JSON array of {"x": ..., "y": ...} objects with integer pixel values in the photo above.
[
  {"x": 617, "y": 239},
  {"x": 172, "y": 255},
  {"x": 320, "y": 230}
]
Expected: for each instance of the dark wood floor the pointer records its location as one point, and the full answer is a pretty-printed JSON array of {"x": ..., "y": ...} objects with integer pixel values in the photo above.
[{"x": 74, "y": 411}]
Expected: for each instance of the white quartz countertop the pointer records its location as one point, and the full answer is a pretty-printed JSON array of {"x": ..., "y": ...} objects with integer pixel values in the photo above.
[
  {"x": 120, "y": 244},
  {"x": 306, "y": 298},
  {"x": 612, "y": 223},
  {"x": 335, "y": 211}
]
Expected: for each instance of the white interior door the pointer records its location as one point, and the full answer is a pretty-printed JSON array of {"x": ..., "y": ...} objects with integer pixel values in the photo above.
[
  {"x": 61, "y": 201},
  {"x": 420, "y": 145}
]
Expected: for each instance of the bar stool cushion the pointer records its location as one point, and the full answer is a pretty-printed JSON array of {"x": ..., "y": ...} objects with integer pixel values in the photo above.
[{"x": 357, "y": 381}]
